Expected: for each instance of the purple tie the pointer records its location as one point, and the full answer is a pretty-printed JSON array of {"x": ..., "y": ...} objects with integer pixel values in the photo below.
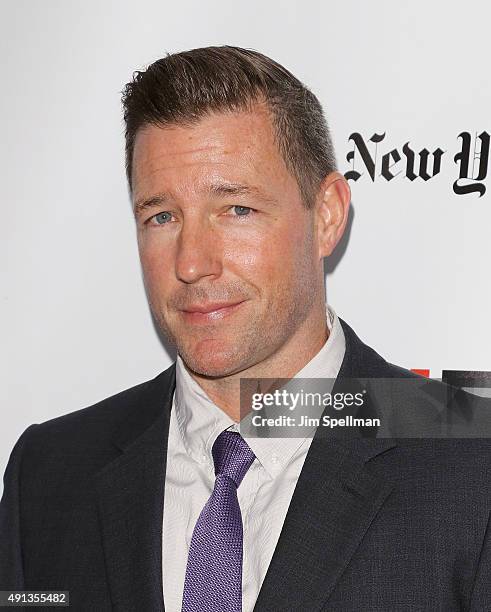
[{"x": 213, "y": 580}]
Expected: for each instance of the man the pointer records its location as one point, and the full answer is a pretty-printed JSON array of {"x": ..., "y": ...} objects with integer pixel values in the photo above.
[{"x": 152, "y": 496}]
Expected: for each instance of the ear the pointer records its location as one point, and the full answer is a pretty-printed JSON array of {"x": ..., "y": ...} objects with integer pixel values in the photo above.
[{"x": 332, "y": 207}]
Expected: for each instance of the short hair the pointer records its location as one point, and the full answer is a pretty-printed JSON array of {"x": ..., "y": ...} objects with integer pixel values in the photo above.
[{"x": 182, "y": 88}]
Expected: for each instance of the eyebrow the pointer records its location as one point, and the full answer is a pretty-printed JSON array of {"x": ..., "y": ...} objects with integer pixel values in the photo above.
[
  {"x": 226, "y": 189},
  {"x": 220, "y": 190},
  {"x": 151, "y": 202}
]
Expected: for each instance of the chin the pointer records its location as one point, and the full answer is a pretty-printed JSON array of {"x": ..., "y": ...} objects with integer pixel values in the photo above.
[{"x": 212, "y": 362}]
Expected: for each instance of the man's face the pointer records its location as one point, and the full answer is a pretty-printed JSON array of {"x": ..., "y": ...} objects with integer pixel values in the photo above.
[{"x": 221, "y": 222}]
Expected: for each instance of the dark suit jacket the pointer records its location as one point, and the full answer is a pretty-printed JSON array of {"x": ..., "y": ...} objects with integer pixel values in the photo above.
[{"x": 373, "y": 525}]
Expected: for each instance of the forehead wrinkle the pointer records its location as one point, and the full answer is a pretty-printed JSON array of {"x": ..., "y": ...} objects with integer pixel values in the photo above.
[
  {"x": 191, "y": 151},
  {"x": 155, "y": 169}
]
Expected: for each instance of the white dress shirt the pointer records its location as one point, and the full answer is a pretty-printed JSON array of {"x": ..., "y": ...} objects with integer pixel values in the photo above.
[{"x": 264, "y": 494}]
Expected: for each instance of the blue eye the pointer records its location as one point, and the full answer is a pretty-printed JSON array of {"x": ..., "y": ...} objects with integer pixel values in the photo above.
[
  {"x": 242, "y": 211},
  {"x": 161, "y": 219}
]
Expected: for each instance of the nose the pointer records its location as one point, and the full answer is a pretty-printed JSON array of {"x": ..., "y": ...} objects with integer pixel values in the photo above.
[{"x": 198, "y": 251}]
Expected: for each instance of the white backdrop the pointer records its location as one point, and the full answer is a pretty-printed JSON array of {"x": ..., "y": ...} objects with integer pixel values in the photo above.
[{"x": 413, "y": 281}]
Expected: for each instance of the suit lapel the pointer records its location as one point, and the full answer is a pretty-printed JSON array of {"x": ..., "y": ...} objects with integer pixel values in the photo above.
[
  {"x": 335, "y": 501},
  {"x": 336, "y": 498},
  {"x": 131, "y": 497}
]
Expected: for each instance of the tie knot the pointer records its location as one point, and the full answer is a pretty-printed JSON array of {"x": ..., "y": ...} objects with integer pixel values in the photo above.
[{"x": 232, "y": 456}]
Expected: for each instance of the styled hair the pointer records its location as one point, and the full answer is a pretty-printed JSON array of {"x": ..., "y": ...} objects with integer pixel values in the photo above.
[{"x": 182, "y": 88}]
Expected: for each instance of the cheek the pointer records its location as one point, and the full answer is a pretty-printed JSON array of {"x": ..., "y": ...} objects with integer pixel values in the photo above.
[
  {"x": 156, "y": 266},
  {"x": 271, "y": 259}
]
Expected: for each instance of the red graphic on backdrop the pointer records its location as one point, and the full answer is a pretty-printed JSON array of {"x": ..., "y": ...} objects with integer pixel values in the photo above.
[{"x": 425, "y": 373}]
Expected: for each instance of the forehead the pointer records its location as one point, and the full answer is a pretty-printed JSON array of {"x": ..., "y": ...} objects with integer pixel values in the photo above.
[{"x": 240, "y": 145}]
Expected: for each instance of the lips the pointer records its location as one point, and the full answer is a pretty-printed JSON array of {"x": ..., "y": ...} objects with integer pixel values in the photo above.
[
  {"x": 211, "y": 307},
  {"x": 205, "y": 313}
]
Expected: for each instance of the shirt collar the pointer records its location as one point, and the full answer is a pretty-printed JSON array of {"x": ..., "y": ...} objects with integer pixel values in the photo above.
[{"x": 200, "y": 421}]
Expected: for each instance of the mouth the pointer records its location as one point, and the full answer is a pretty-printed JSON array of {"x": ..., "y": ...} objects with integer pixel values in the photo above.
[{"x": 206, "y": 313}]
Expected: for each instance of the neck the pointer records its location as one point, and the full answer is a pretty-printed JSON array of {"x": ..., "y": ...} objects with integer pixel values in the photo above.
[{"x": 289, "y": 359}]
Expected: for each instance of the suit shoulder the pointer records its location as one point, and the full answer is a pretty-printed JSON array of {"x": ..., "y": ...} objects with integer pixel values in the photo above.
[
  {"x": 399, "y": 372},
  {"x": 97, "y": 424},
  {"x": 362, "y": 361}
]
